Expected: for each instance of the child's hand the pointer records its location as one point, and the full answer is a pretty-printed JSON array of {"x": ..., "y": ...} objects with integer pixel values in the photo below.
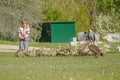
[{"x": 22, "y": 37}]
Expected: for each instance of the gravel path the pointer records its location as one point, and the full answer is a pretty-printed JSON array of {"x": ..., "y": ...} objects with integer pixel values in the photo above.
[{"x": 11, "y": 48}]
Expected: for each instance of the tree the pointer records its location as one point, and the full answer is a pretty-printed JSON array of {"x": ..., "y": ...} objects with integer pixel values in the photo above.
[{"x": 13, "y": 11}]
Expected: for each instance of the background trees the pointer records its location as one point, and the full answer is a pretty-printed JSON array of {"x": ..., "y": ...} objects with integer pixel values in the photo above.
[
  {"x": 108, "y": 16},
  {"x": 100, "y": 15}
]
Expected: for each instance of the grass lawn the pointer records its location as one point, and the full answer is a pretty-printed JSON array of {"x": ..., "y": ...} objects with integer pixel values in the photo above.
[
  {"x": 60, "y": 68},
  {"x": 37, "y": 44}
]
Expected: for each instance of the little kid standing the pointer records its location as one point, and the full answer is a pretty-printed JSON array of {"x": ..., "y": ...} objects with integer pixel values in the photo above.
[{"x": 23, "y": 33}]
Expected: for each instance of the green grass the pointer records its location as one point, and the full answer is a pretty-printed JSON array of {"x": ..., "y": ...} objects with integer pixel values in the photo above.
[
  {"x": 37, "y": 44},
  {"x": 60, "y": 68},
  {"x": 8, "y": 42}
]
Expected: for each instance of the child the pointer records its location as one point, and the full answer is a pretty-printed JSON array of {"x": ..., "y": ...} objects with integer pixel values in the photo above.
[{"x": 23, "y": 33}]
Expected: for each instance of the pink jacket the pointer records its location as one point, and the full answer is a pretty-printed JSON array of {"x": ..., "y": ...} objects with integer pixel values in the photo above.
[{"x": 24, "y": 32}]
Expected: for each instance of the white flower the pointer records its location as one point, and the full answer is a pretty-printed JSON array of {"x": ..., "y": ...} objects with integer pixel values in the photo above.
[
  {"x": 28, "y": 77},
  {"x": 71, "y": 79}
]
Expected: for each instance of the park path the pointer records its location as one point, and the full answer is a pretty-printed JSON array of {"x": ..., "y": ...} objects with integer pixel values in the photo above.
[{"x": 12, "y": 48}]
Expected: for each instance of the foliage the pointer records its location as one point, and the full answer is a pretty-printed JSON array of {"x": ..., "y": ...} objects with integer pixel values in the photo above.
[
  {"x": 107, "y": 24},
  {"x": 85, "y": 13},
  {"x": 107, "y": 6},
  {"x": 70, "y": 11},
  {"x": 12, "y": 12},
  {"x": 108, "y": 20},
  {"x": 104, "y": 24}
]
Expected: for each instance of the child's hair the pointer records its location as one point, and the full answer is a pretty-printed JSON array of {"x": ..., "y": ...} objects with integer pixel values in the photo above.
[{"x": 25, "y": 22}]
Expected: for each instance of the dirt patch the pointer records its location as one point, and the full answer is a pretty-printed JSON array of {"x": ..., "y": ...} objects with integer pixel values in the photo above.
[{"x": 12, "y": 48}]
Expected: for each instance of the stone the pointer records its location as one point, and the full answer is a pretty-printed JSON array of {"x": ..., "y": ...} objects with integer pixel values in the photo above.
[
  {"x": 81, "y": 36},
  {"x": 112, "y": 37},
  {"x": 89, "y": 36},
  {"x": 118, "y": 48},
  {"x": 74, "y": 42},
  {"x": 107, "y": 46}
]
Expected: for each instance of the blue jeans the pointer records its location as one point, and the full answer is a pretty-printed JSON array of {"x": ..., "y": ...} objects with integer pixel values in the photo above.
[{"x": 23, "y": 45}]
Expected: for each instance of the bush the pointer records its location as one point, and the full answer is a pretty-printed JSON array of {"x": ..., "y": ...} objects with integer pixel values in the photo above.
[{"x": 107, "y": 24}]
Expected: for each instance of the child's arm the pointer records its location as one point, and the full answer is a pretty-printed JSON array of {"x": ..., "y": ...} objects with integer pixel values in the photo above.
[
  {"x": 20, "y": 34},
  {"x": 27, "y": 32}
]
